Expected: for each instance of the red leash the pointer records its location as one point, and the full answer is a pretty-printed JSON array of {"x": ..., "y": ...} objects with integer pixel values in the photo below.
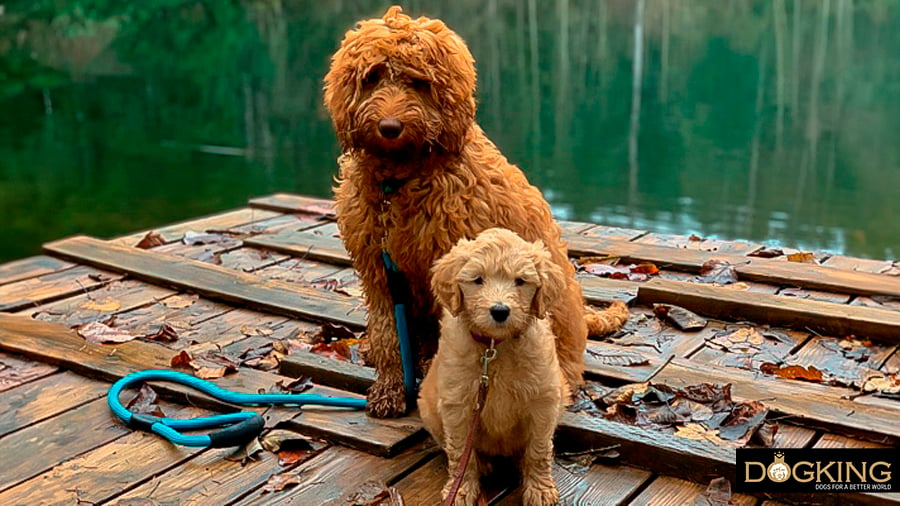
[{"x": 489, "y": 354}]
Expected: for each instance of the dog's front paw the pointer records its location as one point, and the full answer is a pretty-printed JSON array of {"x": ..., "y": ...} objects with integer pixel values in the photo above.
[
  {"x": 467, "y": 495},
  {"x": 386, "y": 399},
  {"x": 540, "y": 495}
]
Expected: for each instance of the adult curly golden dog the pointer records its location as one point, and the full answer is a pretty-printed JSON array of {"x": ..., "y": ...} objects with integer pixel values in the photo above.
[
  {"x": 497, "y": 287},
  {"x": 417, "y": 174}
]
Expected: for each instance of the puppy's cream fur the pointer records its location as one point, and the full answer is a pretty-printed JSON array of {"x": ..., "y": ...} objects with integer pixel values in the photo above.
[{"x": 527, "y": 389}]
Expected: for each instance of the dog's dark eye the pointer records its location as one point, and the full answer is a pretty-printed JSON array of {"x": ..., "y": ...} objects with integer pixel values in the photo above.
[
  {"x": 478, "y": 281},
  {"x": 520, "y": 281},
  {"x": 372, "y": 77},
  {"x": 420, "y": 85}
]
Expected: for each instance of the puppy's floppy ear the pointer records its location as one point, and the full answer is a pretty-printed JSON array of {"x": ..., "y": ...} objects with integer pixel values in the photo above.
[
  {"x": 552, "y": 280},
  {"x": 444, "y": 275}
]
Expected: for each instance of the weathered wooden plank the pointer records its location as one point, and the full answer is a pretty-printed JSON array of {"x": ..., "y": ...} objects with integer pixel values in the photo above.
[
  {"x": 696, "y": 243},
  {"x": 858, "y": 264},
  {"x": 112, "y": 299},
  {"x": 101, "y": 473},
  {"x": 219, "y": 221},
  {"x": 327, "y": 371},
  {"x": 57, "y": 345},
  {"x": 212, "y": 281},
  {"x": 16, "y": 370},
  {"x": 601, "y": 290},
  {"x": 302, "y": 272},
  {"x": 205, "y": 480},
  {"x": 606, "y": 232},
  {"x": 54, "y": 286},
  {"x": 337, "y": 473},
  {"x": 575, "y": 227},
  {"x": 423, "y": 486},
  {"x": 793, "y": 436},
  {"x": 281, "y": 222},
  {"x": 45, "y": 444},
  {"x": 658, "y": 451},
  {"x": 18, "y": 270},
  {"x": 41, "y": 399},
  {"x": 822, "y": 317},
  {"x": 601, "y": 484},
  {"x": 382, "y": 437},
  {"x": 304, "y": 244},
  {"x": 289, "y": 203},
  {"x": 668, "y": 490},
  {"x": 748, "y": 268}
]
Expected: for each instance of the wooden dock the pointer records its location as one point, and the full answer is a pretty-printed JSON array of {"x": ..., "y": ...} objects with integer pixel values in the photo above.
[{"x": 276, "y": 272}]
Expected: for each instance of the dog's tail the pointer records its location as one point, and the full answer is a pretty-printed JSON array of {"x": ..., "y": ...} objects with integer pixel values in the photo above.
[{"x": 606, "y": 321}]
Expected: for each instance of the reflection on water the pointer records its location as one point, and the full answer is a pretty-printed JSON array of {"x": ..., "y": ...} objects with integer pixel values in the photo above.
[{"x": 763, "y": 120}]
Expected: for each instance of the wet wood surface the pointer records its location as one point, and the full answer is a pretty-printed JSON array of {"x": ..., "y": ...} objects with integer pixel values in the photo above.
[{"x": 277, "y": 270}]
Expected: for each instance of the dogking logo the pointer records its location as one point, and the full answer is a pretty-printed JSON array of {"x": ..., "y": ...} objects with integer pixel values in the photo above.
[
  {"x": 778, "y": 471},
  {"x": 761, "y": 470}
]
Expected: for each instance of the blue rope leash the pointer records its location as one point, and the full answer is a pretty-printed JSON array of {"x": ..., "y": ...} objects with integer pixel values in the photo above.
[
  {"x": 238, "y": 427},
  {"x": 400, "y": 294}
]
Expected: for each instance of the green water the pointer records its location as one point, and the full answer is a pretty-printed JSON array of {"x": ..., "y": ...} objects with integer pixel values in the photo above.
[{"x": 769, "y": 121}]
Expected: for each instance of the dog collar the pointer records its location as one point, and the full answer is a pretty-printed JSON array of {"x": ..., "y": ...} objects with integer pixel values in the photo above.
[
  {"x": 391, "y": 185},
  {"x": 485, "y": 340}
]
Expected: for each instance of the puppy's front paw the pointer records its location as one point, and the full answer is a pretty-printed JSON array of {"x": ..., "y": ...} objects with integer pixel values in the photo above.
[
  {"x": 386, "y": 399},
  {"x": 540, "y": 495},
  {"x": 467, "y": 494}
]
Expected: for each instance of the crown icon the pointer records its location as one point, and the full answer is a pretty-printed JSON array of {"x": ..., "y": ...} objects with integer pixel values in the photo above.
[{"x": 779, "y": 455}]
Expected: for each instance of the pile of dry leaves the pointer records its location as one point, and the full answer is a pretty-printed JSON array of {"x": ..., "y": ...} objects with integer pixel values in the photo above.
[{"x": 704, "y": 412}]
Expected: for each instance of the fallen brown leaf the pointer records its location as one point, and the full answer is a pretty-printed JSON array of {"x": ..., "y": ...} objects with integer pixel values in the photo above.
[
  {"x": 179, "y": 301},
  {"x": 165, "y": 333},
  {"x": 618, "y": 358},
  {"x": 145, "y": 402},
  {"x": 182, "y": 360},
  {"x": 192, "y": 238},
  {"x": 802, "y": 257},
  {"x": 718, "y": 493},
  {"x": 680, "y": 317},
  {"x": 719, "y": 272},
  {"x": 250, "y": 331},
  {"x": 100, "y": 333},
  {"x": 799, "y": 372},
  {"x": 151, "y": 240},
  {"x": 283, "y": 480},
  {"x": 371, "y": 493},
  {"x": 697, "y": 432},
  {"x": 107, "y": 305},
  {"x": 767, "y": 253}
]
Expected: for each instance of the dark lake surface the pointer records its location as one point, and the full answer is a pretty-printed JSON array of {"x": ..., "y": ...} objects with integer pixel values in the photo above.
[{"x": 774, "y": 121}]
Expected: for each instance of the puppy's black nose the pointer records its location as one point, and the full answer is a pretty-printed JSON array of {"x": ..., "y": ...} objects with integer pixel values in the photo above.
[
  {"x": 390, "y": 128},
  {"x": 500, "y": 312}
]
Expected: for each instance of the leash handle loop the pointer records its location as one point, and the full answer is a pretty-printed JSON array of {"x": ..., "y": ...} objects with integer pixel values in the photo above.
[{"x": 239, "y": 427}]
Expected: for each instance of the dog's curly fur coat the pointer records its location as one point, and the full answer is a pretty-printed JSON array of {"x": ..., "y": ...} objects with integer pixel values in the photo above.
[
  {"x": 526, "y": 388},
  {"x": 450, "y": 182}
]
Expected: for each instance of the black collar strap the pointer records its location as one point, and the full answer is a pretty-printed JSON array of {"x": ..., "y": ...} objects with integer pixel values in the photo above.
[{"x": 391, "y": 185}]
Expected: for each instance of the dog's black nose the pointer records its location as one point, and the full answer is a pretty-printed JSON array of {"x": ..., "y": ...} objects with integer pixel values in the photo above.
[
  {"x": 390, "y": 128},
  {"x": 500, "y": 312}
]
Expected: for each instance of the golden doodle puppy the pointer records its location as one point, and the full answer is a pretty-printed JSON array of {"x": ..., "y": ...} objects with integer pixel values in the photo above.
[
  {"x": 417, "y": 174},
  {"x": 497, "y": 287}
]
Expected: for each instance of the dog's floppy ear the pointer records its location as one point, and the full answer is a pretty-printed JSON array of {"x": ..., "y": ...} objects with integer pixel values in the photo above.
[
  {"x": 444, "y": 275},
  {"x": 551, "y": 280}
]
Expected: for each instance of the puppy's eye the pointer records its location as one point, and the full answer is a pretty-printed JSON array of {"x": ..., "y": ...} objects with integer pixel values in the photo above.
[
  {"x": 478, "y": 281},
  {"x": 520, "y": 281},
  {"x": 373, "y": 77}
]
